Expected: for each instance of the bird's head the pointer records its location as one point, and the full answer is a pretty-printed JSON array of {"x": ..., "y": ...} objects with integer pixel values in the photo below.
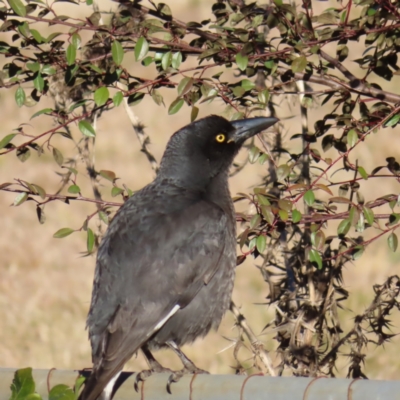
[{"x": 206, "y": 148}]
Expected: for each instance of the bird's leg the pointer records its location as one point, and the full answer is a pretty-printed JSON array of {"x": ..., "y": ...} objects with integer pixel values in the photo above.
[
  {"x": 188, "y": 366},
  {"x": 155, "y": 367}
]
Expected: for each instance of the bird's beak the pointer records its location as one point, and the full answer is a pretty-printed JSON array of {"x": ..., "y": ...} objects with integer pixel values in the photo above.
[{"x": 246, "y": 128}]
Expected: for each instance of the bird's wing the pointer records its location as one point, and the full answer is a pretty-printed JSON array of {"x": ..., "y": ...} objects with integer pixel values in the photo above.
[{"x": 151, "y": 263}]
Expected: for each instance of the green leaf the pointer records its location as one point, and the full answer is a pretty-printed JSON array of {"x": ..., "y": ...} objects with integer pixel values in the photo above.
[
  {"x": 71, "y": 54},
  {"x": 141, "y": 48},
  {"x": 74, "y": 189},
  {"x": 44, "y": 111},
  {"x": 20, "y": 97},
  {"x": 34, "y": 67},
  {"x": 22, "y": 385},
  {"x": 117, "y": 52},
  {"x": 104, "y": 217},
  {"x": 166, "y": 60},
  {"x": 18, "y": 7},
  {"x": 283, "y": 214},
  {"x": 344, "y": 227},
  {"x": 318, "y": 240},
  {"x": 21, "y": 198},
  {"x": 90, "y": 240},
  {"x": 58, "y": 157},
  {"x": 282, "y": 172},
  {"x": 86, "y": 128},
  {"x": 176, "y": 60},
  {"x": 263, "y": 96},
  {"x": 315, "y": 257},
  {"x": 6, "y": 139},
  {"x": 61, "y": 392},
  {"x": 175, "y": 106},
  {"x": 369, "y": 215},
  {"x": 63, "y": 232},
  {"x": 117, "y": 99},
  {"x": 38, "y": 82},
  {"x": 358, "y": 252},
  {"x": 78, "y": 384},
  {"x": 39, "y": 190},
  {"x": 242, "y": 61},
  {"x": 309, "y": 197},
  {"x": 254, "y": 154},
  {"x": 115, "y": 191},
  {"x": 101, "y": 96},
  {"x": 296, "y": 216},
  {"x": 268, "y": 214},
  {"x": 76, "y": 40},
  {"x": 393, "y": 241},
  {"x": 147, "y": 61},
  {"x": 363, "y": 173},
  {"x": 261, "y": 243},
  {"x": 184, "y": 86},
  {"x": 157, "y": 97},
  {"x": 392, "y": 121},
  {"x": 299, "y": 64},
  {"x": 238, "y": 91},
  {"x": 194, "y": 113},
  {"x": 255, "y": 221},
  {"x": 247, "y": 84},
  {"x": 352, "y": 137}
]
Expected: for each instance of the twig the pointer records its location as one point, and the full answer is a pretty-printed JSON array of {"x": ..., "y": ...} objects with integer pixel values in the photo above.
[{"x": 256, "y": 345}]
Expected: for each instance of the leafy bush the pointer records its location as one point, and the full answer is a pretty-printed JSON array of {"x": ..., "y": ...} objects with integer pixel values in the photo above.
[{"x": 305, "y": 224}]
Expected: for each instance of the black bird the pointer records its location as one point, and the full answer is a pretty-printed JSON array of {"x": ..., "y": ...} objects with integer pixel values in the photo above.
[{"x": 165, "y": 267}]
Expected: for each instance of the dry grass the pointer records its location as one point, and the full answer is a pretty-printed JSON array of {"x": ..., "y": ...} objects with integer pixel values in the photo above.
[{"x": 45, "y": 285}]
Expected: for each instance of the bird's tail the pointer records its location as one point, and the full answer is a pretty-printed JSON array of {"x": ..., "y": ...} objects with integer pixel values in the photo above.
[{"x": 99, "y": 389}]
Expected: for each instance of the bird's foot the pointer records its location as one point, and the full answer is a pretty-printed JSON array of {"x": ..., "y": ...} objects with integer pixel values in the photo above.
[
  {"x": 142, "y": 376},
  {"x": 176, "y": 376}
]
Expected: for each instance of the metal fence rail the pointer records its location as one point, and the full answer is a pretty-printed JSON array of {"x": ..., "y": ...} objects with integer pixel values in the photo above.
[{"x": 223, "y": 387}]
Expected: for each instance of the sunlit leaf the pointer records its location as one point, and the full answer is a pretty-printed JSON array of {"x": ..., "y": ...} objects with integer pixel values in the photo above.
[
  {"x": 61, "y": 392},
  {"x": 71, "y": 54},
  {"x": 352, "y": 137},
  {"x": 175, "y": 106},
  {"x": 22, "y": 385},
  {"x": 18, "y": 7},
  {"x": 21, "y": 198},
  {"x": 117, "y": 99},
  {"x": 344, "y": 227},
  {"x": 299, "y": 64},
  {"x": 261, "y": 243},
  {"x": 309, "y": 197},
  {"x": 58, "y": 157},
  {"x": 101, "y": 96},
  {"x": 242, "y": 61},
  {"x": 20, "y": 96},
  {"x": 90, "y": 240},
  {"x": 63, "y": 232},
  {"x": 74, "y": 189},
  {"x": 315, "y": 257},
  {"x": 117, "y": 52},
  {"x": 141, "y": 48},
  {"x": 6, "y": 139},
  {"x": 86, "y": 128},
  {"x": 392, "y": 241}
]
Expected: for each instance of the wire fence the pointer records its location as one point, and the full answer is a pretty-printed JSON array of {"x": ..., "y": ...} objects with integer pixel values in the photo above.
[{"x": 221, "y": 387}]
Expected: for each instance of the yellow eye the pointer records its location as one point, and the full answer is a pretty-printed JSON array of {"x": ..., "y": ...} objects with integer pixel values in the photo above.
[{"x": 220, "y": 138}]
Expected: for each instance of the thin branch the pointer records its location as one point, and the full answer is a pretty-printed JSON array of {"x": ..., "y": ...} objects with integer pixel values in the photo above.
[{"x": 256, "y": 345}]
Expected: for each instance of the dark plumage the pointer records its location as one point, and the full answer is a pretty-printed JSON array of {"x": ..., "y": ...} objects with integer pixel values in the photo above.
[{"x": 165, "y": 267}]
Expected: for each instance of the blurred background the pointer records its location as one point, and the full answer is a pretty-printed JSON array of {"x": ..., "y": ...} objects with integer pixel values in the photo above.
[{"x": 45, "y": 283}]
